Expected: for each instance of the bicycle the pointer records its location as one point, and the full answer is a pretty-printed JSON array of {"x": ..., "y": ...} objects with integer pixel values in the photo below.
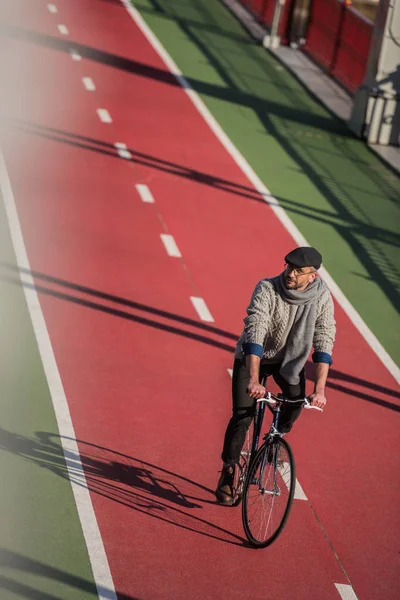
[{"x": 266, "y": 476}]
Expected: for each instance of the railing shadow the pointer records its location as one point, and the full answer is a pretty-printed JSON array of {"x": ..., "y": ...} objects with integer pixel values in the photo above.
[
  {"x": 23, "y": 565},
  {"x": 87, "y": 297},
  {"x": 359, "y": 228},
  {"x": 189, "y": 328},
  {"x": 147, "y": 160}
]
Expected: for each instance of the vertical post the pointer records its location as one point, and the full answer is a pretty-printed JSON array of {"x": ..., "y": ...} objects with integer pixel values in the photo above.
[
  {"x": 338, "y": 40},
  {"x": 376, "y": 109},
  {"x": 273, "y": 40},
  {"x": 263, "y": 9}
]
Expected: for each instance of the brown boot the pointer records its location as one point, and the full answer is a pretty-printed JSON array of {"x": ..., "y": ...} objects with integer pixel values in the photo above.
[{"x": 224, "y": 491}]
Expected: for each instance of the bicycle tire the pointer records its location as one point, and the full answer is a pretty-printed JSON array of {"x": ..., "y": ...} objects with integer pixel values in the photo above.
[{"x": 272, "y": 475}]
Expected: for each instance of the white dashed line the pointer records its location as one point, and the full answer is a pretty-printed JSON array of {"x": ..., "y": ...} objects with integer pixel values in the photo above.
[
  {"x": 63, "y": 29},
  {"x": 230, "y": 371},
  {"x": 88, "y": 84},
  {"x": 123, "y": 150},
  {"x": 170, "y": 245},
  {"x": 104, "y": 115},
  {"x": 201, "y": 309},
  {"x": 52, "y": 8},
  {"x": 75, "y": 54},
  {"x": 145, "y": 193},
  {"x": 346, "y": 591}
]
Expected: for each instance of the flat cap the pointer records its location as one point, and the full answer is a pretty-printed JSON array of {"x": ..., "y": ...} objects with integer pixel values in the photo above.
[{"x": 305, "y": 256}]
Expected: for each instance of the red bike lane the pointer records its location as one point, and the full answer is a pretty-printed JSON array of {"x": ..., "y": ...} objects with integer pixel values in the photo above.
[{"x": 146, "y": 380}]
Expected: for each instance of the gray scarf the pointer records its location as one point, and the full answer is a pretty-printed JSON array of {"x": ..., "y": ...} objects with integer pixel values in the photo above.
[{"x": 300, "y": 339}]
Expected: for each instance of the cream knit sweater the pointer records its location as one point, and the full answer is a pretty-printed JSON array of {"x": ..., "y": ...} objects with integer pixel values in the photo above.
[{"x": 270, "y": 318}]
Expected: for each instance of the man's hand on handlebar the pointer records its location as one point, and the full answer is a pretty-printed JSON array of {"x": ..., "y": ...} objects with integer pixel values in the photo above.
[
  {"x": 255, "y": 390},
  {"x": 317, "y": 399}
]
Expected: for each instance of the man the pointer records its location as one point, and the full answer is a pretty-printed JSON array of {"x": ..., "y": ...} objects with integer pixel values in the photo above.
[{"x": 287, "y": 316}]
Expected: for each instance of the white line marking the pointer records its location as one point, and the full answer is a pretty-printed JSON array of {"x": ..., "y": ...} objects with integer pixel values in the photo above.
[
  {"x": 346, "y": 591},
  {"x": 230, "y": 371},
  {"x": 299, "y": 493},
  {"x": 104, "y": 115},
  {"x": 123, "y": 150},
  {"x": 90, "y": 528},
  {"x": 75, "y": 54},
  {"x": 353, "y": 315},
  {"x": 63, "y": 29},
  {"x": 88, "y": 84},
  {"x": 298, "y": 490},
  {"x": 145, "y": 193},
  {"x": 52, "y": 8},
  {"x": 170, "y": 245},
  {"x": 201, "y": 309}
]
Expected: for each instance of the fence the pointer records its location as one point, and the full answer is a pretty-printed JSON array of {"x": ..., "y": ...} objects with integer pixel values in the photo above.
[
  {"x": 263, "y": 10},
  {"x": 338, "y": 37}
]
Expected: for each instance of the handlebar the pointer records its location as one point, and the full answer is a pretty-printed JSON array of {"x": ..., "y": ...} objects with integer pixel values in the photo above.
[{"x": 273, "y": 399}]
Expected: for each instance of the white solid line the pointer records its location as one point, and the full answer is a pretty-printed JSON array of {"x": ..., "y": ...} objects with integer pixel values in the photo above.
[
  {"x": 145, "y": 193},
  {"x": 230, "y": 371},
  {"x": 88, "y": 84},
  {"x": 170, "y": 245},
  {"x": 52, "y": 8},
  {"x": 104, "y": 115},
  {"x": 346, "y": 591},
  {"x": 201, "y": 309},
  {"x": 90, "y": 528},
  {"x": 123, "y": 150},
  {"x": 351, "y": 312},
  {"x": 75, "y": 54},
  {"x": 63, "y": 29}
]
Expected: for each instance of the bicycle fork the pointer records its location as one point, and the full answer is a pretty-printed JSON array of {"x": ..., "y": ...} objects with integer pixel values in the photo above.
[
  {"x": 269, "y": 459},
  {"x": 270, "y": 456}
]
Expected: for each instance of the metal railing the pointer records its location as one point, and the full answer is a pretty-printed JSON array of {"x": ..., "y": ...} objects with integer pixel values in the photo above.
[{"x": 334, "y": 34}]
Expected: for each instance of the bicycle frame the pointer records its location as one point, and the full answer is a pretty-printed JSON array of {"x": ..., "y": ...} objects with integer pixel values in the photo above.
[{"x": 259, "y": 416}]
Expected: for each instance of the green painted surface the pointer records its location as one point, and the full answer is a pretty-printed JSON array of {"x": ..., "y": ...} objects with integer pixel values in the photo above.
[
  {"x": 42, "y": 551},
  {"x": 337, "y": 192}
]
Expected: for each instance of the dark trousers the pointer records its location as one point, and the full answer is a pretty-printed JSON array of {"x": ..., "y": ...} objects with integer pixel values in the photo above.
[{"x": 243, "y": 407}]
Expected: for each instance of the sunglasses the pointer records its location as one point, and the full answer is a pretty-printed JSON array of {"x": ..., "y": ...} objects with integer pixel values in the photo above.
[{"x": 298, "y": 271}]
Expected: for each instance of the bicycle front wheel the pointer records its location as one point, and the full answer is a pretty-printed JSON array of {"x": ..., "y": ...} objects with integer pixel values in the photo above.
[{"x": 268, "y": 492}]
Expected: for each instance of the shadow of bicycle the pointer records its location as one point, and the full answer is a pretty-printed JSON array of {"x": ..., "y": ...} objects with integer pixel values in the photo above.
[{"x": 126, "y": 480}]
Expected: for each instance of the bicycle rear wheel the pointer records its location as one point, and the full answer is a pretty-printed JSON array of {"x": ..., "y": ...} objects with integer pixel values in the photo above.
[{"x": 268, "y": 492}]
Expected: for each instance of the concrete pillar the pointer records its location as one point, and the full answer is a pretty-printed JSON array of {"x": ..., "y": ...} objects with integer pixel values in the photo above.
[{"x": 376, "y": 109}]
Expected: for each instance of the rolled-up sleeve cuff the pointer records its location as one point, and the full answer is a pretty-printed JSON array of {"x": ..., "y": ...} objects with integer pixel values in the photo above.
[
  {"x": 256, "y": 349},
  {"x": 322, "y": 357}
]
